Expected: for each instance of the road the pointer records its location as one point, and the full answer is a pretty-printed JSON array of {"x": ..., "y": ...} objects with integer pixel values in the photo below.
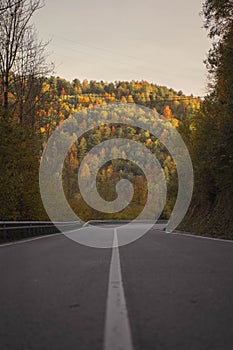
[{"x": 162, "y": 292}]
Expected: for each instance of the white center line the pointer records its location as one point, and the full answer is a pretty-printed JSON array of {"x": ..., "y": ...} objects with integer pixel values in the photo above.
[{"x": 117, "y": 329}]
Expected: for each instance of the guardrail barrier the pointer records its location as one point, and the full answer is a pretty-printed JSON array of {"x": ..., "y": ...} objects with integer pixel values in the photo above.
[{"x": 16, "y": 230}]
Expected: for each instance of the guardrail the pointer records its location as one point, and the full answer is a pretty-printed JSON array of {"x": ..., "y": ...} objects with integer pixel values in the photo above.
[
  {"x": 124, "y": 222},
  {"x": 16, "y": 230}
]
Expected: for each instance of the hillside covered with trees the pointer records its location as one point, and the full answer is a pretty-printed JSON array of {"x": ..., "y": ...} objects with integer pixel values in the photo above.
[{"x": 34, "y": 103}]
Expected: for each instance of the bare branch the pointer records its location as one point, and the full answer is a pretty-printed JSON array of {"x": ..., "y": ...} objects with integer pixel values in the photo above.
[
  {"x": 14, "y": 23},
  {"x": 5, "y": 5},
  {"x": 30, "y": 70}
]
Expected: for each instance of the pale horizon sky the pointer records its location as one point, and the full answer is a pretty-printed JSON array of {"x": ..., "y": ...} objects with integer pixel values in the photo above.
[{"x": 161, "y": 42}]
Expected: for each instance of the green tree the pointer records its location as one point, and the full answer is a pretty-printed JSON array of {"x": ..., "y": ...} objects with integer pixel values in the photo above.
[
  {"x": 212, "y": 129},
  {"x": 19, "y": 172}
]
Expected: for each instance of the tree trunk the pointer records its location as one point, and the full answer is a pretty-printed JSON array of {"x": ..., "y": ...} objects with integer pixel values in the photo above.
[{"x": 6, "y": 91}]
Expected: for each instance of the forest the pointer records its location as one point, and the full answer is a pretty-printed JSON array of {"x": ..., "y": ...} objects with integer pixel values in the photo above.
[{"x": 34, "y": 102}]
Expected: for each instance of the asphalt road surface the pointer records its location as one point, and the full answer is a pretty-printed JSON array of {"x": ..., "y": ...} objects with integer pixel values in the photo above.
[{"x": 161, "y": 292}]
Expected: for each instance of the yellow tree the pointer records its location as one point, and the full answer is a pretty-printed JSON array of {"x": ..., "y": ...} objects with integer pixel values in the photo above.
[{"x": 167, "y": 113}]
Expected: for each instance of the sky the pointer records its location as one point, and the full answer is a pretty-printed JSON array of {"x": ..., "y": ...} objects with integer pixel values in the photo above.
[{"x": 159, "y": 41}]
